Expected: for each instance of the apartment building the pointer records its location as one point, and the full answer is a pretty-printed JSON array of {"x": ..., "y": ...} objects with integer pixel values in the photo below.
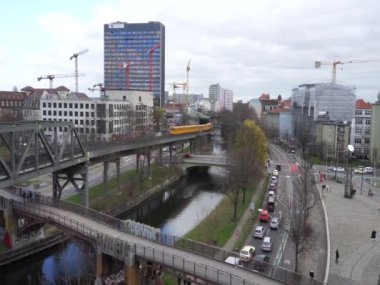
[{"x": 361, "y": 129}]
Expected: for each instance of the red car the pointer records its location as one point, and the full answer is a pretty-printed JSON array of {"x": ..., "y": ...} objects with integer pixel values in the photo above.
[
  {"x": 187, "y": 155},
  {"x": 264, "y": 216}
]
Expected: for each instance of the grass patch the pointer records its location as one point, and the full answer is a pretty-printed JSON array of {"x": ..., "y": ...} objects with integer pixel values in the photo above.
[
  {"x": 247, "y": 227},
  {"x": 220, "y": 221},
  {"x": 100, "y": 190}
]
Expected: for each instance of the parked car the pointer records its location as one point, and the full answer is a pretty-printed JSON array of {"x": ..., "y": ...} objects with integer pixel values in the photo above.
[
  {"x": 234, "y": 261},
  {"x": 275, "y": 172},
  {"x": 259, "y": 232},
  {"x": 267, "y": 244},
  {"x": 274, "y": 223},
  {"x": 264, "y": 216},
  {"x": 261, "y": 262},
  {"x": 270, "y": 193},
  {"x": 339, "y": 169},
  {"x": 247, "y": 253},
  {"x": 369, "y": 170},
  {"x": 360, "y": 170},
  {"x": 187, "y": 155}
]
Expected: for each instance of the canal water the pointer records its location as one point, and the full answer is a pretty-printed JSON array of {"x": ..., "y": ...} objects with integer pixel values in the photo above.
[{"x": 179, "y": 209}]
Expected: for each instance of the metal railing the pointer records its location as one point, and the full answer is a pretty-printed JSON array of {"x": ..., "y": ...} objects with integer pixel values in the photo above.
[{"x": 213, "y": 252}]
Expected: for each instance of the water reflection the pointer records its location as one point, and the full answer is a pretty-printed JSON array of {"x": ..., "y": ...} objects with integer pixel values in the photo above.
[
  {"x": 64, "y": 264},
  {"x": 199, "y": 208}
]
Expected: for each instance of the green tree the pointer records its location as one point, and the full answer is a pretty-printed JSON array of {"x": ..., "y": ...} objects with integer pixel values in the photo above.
[{"x": 248, "y": 158}]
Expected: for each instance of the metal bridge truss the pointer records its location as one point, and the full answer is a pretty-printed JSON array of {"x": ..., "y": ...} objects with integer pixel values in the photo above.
[{"x": 31, "y": 149}]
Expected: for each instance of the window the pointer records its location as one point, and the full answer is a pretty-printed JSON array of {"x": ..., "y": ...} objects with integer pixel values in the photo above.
[
  {"x": 92, "y": 106},
  {"x": 65, "y": 113},
  {"x": 65, "y": 105},
  {"x": 76, "y": 105},
  {"x": 59, "y": 113},
  {"x": 81, "y": 105},
  {"x": 139, "y": 98},
  {"x": 81, "y": 114},
  {"x": 54, "y": 113},
  {"x": 86, "y": 106},
  {"x": 44, "y": 104},
  {"x": 76, "y": 114},
  {"x": 59, "y": 105},
  {"x": 368, "y": 112},
  {"x": 70, "y": 105},
  {"x": 44, "y": 112},
  {"x": 366, "y": 141},
  {"x": 358, "y": 130},
  {"x": 54, "y": 105},
  {"x": 359, "y": 121},
  {"x": 70, "y": 113},
  {"x": 368, "y": 121},
  {"x": 367, "y": 131},
  {"x": 49, "y": 113},
  {"x": 357, "y": 140},
  {"x": 358, "y": 112}
]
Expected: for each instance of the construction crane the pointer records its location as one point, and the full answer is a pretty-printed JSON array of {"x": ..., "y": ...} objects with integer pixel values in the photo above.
[
  {"x": 318, "y": 64},
  {"x": 75, "y": 55},
  {"x": 127, "y": 67},
  {"x": 52, "y": 76},
  {"x": 187, "y": 77},
  {"x": 150, "y": 54}
]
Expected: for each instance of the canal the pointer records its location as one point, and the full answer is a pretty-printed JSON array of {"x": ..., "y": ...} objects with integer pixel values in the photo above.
[{"x": 176, "y": 211}]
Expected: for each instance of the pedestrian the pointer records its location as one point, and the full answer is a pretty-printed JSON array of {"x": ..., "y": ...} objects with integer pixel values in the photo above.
[
  {"x": 311, "y": 274},
  {"x": 336, "y": 256},
  {"x": 179, "y": 280}
]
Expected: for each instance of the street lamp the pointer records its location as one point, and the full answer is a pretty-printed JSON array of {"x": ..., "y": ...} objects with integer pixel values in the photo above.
[{"x": 348, "y": 184}]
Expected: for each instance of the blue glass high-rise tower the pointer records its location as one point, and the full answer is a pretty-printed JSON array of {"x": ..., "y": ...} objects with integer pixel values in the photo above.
[{"x": 134, "y": 57}]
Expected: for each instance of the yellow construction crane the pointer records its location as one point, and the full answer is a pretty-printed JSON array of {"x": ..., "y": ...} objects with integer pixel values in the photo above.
[
  {"x": 318, "y": 64},
  {"x": 52, "y": 76}
]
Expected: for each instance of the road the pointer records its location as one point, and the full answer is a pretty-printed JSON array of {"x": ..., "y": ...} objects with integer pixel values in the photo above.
[{"x": 283, "y": 252}]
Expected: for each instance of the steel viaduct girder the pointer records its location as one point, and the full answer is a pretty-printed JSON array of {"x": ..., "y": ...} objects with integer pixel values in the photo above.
[{"x": 30, "y": 149}]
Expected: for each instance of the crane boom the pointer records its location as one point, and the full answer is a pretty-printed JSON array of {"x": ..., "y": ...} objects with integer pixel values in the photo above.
[
  {"x": 318, "y": 64},
  {"x": 150, "y": 54},
  {"x": 52, "y": 76},
  {"x": 75, "y": 55}
]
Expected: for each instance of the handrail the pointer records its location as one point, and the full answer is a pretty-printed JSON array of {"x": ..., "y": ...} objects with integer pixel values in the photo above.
[{"x": 213, "y": 252}]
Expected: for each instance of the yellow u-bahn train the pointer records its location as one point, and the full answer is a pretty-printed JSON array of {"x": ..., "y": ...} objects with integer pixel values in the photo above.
[{"x": 189, "y": 129}]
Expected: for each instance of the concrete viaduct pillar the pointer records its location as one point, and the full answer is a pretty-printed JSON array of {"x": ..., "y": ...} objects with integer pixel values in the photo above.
[
  {"x": 99, "y": 266},
  {"x": 105, "y": 172},
  {"x": 130, "y": 267}
]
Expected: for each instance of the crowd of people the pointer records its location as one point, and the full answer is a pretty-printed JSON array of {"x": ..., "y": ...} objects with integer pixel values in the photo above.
[{"x": 115, "y": 279}]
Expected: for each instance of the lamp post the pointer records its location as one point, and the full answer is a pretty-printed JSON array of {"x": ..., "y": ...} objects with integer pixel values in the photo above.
[{"x": 348, "y": 183}]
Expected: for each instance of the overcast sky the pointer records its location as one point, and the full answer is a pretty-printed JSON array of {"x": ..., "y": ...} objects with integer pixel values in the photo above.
[{"x": 248, "y": 46}]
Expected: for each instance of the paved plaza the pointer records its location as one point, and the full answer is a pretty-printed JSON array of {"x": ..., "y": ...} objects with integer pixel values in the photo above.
[{"x": 351, "y": 222}]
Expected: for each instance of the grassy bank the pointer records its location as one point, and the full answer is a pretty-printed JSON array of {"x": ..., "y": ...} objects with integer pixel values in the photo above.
[
  {"x": 220, "y": 221},
  {"x": 131, "y": 187}
]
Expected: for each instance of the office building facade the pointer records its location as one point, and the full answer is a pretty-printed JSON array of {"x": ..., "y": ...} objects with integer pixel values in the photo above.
[{"x": 134, "y": 58}]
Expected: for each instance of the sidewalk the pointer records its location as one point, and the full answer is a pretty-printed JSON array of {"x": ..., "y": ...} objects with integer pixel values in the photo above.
[
  {"x": 351, "y": 222},
  {"x": 229, "y": 246}
]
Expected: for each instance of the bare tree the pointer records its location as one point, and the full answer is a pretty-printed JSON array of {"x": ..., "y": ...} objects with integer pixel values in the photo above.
[{"x": 304, "y": 199}]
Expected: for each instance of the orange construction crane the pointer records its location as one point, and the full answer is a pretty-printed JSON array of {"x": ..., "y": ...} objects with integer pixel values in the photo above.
[
  {"x": 318, "y": 64},
  {"x": 52, "y": 76},
  {"x": 150, "y": 54}
]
